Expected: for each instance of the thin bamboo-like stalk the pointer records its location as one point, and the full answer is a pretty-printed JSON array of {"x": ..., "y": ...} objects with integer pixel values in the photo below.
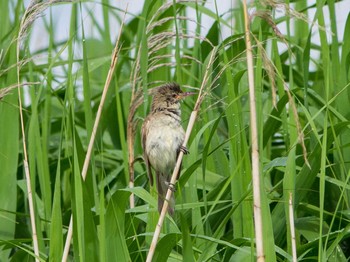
[
  {"x": 21, "y": 33},
  {"x": 255, "y": 144},
  {"x": 191, "y": 122},
  {"x": 114, "y": 61}
]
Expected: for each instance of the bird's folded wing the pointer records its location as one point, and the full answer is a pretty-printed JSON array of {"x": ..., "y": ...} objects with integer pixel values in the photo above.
[{"x": 144, "y": 133}]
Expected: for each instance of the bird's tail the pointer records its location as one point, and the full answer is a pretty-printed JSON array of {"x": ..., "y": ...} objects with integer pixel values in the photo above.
[{"x": 162, "y": 188}]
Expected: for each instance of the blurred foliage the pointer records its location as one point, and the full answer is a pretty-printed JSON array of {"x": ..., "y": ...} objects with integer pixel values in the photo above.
[{"x": 166, "y": 42}]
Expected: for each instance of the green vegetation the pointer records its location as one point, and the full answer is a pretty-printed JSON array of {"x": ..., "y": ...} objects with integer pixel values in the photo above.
[{"x": 302, "y": 95}]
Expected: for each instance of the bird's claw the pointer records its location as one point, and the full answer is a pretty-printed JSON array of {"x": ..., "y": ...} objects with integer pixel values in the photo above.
[
  {"x": 184, "y": 150},
  {"x": 171, "y": 186}
]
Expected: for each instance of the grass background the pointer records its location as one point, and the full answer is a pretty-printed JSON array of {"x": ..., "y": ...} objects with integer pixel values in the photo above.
[{"x": 214, "y": 211}]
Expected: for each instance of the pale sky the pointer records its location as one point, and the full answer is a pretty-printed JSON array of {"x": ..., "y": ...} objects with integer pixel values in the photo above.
[{"x": 61, "y": 14}]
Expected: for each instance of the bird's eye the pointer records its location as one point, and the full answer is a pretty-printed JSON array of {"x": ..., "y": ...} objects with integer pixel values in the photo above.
[{"x": 174, "y": 95}]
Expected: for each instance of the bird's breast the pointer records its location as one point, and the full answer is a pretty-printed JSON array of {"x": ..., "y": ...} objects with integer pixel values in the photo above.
[{"x": 164, "y": 138}]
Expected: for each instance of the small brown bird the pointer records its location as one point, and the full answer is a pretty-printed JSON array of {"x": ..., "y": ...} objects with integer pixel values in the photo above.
[{"x": 162, "y": 137}]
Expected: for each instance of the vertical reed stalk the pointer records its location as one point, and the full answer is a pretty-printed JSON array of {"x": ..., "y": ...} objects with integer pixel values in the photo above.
[{"x": 255, "y": 144}]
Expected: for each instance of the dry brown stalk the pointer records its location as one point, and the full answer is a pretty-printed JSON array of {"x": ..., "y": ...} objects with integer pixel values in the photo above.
[
  {"x": 34, "y": 9},
  {"x": 6, "y": 90},
  {"x": 136, "y": 101},
  {"x": 301, "y": 140},
  {"x": 29, "y": 16}
]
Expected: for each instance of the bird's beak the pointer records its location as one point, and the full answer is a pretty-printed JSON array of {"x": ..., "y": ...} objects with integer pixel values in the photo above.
[{"x": 184, "y": 94}]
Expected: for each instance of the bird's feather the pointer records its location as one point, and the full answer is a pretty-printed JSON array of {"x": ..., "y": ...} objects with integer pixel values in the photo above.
[
  {"x": 144, "y": 133},
  {"x": 162, "y": 188}
]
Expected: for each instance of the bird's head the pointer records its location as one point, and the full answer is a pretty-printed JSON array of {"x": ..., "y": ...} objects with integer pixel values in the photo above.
[{"x": 168, "y": 96}]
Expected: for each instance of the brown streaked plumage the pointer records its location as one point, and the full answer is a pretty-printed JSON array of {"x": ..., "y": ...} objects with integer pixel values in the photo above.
[{"x": 162, "y": 136}]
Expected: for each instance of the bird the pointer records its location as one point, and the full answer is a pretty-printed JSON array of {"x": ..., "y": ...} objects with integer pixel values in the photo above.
[{"x": 162, "y": 137}]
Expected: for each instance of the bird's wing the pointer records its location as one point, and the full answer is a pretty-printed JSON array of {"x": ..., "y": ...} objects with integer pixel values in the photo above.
[{"x": 144, "y": 133}]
